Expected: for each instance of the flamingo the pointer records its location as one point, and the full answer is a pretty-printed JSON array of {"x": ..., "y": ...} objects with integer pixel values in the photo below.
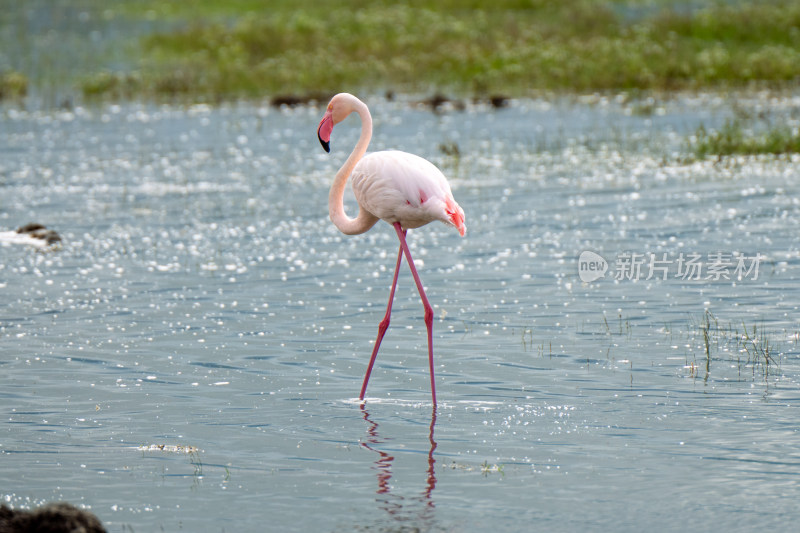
[{"x": 403, "y": 189}]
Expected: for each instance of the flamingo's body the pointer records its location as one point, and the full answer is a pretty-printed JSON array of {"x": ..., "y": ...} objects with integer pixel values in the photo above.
[{"x": 403, "y": 189}]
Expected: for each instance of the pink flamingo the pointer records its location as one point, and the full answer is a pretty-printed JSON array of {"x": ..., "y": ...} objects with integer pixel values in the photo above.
[{"x": 403, "y": 189}]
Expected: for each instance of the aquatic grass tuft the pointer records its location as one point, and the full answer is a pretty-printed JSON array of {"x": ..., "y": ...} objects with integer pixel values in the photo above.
[
  {"x": 487, "y": 468},
  {"x": 752, "y": 346},
  {"x": 734, "y": 138},
  {"x": 757, "y": 347},
  {"x": 112, "y": 85},
  {"x": 13, "y": 85},
  {"x": 705, "y": 327}
]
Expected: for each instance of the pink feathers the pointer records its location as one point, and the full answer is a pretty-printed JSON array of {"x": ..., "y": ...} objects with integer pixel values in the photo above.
[
  {"x": 456, "y": 216},
  {"x": 401, "y": 187},
  {"x": 405, "y": 190}
]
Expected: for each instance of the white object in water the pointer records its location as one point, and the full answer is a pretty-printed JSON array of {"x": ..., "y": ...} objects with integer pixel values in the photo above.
[{"x": 31, "y": 234}]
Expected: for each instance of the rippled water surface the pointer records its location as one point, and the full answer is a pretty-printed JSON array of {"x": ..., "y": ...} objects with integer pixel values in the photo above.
[{"x": 190, "y": 358}]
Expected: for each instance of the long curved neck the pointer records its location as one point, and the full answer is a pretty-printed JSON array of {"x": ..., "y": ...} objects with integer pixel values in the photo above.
[{"x": 365, "y": 220}]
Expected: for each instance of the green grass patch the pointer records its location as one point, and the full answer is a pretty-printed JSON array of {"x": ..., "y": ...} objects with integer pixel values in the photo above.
[
  {"x": 13, "y": 85},
  {"x": 248, "y": 48},
  {"x": 734, "y": 138},
  {"x": 748, "y": 346}
]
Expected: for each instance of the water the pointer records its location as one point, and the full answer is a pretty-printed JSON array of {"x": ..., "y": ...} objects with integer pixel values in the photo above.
[
  {"x": 58, "y": 45},
  {"x": 190, "y": 358}
]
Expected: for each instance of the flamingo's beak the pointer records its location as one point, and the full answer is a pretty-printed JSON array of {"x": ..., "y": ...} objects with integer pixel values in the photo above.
[{"x": 324, "y": 131}]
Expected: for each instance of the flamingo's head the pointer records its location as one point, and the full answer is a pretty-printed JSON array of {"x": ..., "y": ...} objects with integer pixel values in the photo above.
[{"x": 339, "y": 107}]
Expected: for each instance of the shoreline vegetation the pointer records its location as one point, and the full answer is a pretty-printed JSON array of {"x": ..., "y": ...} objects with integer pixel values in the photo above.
[
  {"x": 736, "y": 138},
  {"x": 241, "y": 49},
  {"x": 292, "y": 52}
]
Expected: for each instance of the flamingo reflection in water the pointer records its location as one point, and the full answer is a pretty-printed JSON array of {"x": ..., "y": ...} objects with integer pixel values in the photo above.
[{"x": 393, "y": 503}]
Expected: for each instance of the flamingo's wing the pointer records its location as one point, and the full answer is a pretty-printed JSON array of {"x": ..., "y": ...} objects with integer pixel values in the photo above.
[{"x": 398, "y": 186}]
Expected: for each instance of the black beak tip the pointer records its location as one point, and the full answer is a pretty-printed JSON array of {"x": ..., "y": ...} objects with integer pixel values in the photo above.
[{"x": 325, "y": 144}]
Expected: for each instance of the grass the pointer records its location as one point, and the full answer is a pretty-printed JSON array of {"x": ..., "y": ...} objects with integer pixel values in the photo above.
[
  {"x": 248, "y": 48},
  {"x": 749, "y": 347},
  {"x": 13, "y": 85},
  {"x": 735, "y": 138}
]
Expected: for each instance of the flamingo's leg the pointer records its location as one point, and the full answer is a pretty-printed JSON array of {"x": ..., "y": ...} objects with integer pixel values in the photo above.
[
  {"x": 401, "y": 234},
  {"x": 383, "y": 326}
]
